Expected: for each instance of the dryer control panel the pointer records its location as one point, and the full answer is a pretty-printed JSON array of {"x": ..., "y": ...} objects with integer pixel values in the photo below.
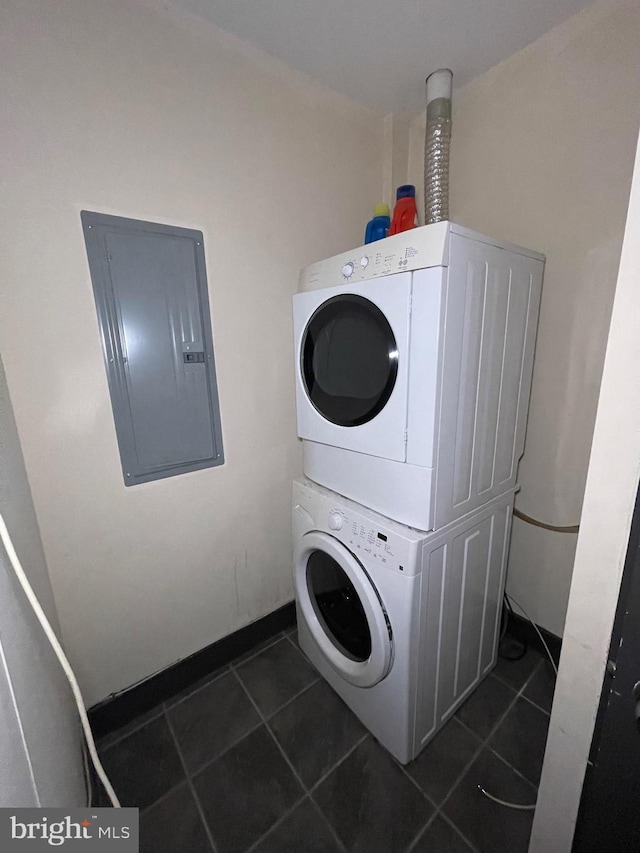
[{"x": 419, "y": 248}]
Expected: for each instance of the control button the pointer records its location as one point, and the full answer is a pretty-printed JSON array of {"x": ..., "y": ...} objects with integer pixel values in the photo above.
[
  {"x": 364, "y": 262},
  {"x": 335, "y": 521},
  {"x": 347, "y": 270}
]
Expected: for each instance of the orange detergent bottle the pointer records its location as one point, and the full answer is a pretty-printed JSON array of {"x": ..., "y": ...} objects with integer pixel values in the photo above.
[{"x": 405, "y": 213}]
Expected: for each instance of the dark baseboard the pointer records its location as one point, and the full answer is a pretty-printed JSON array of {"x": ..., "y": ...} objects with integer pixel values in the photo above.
[
  {"x": 121, "y": 708},
  {"x": 524, "y": 632}
]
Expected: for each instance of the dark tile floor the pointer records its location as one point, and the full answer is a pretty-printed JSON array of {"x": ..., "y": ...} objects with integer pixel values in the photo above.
[{"x": 263, "y": 757}]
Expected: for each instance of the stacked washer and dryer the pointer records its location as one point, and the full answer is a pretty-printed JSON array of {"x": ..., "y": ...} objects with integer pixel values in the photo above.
[{"x": 414, "y": 358}]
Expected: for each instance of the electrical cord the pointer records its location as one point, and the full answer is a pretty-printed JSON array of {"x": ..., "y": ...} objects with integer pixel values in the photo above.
[
  {"x": 524, "y": 646},
  {"x": 508, "y": 599},
  {"x": 521, "y": 806},
  {"x": 571, "y": 528},
  {"x": 64, "y": 663}
]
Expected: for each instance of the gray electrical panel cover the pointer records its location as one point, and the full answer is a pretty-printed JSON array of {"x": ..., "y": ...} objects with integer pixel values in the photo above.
[{"x": 150, "y": 287}]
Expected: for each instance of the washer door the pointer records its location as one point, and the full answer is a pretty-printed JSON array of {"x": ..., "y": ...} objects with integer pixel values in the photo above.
[
  {"x": 342, "y": 609},
  {"x": 349, "y": 360}
]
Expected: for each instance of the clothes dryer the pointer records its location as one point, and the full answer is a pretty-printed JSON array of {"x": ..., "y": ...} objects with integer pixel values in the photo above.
[{"x": 413, "y": 370}]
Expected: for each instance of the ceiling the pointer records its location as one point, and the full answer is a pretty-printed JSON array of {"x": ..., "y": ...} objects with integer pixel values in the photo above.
[{"x": 378, "y": 52}]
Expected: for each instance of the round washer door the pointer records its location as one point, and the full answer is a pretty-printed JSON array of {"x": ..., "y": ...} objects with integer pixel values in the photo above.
[
  {"x": 348, "y": 360},
  {"x": 342, "y": 609}
]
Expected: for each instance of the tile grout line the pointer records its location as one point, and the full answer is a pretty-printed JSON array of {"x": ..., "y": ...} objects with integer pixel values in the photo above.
[
  {"x": 456, "y": 828},
  {"x": 132, "y": 731},
  {"x": 412, "y": 844},
  {"x": 426, "y": 797},
  {"x": 284, "y": 704},
  {"x": 167, "y": 704},
  {"x": 162, "y": 798},
  {"x": 290, "y": 765},
  {"x": 535, "y": 705},
  {"x": 484, "y": 743},
  {"x": 216, "y": 675},
  {"x": 224, "y": 670},
  {"x": 209, "y": 762},
  {"x": 252, "y": 653},
  {"x": 458, "y": 779},
  {"x": 241, "y": 737},
  {"x": 280, "y": 821},
  {"x": 333, "y": 767},
  {"x": 191, "y": 787},
  {"x": 514, "y": 769},
  {"x": 293, "y": 642}
]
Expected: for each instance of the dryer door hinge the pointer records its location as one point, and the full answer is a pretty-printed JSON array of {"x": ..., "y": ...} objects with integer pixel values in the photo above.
[{"x": 405, "y": 435}]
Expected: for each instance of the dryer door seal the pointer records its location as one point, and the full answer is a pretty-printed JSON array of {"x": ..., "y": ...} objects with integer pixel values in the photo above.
[
  {"x": 349, "y": 360},
  {"x": 342, "y": 609}
]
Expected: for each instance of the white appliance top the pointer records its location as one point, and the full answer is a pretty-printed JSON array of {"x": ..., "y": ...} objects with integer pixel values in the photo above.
[{"x": 420, "y": 248}]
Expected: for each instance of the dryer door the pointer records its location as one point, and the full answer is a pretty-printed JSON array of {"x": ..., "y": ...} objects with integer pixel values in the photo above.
[
  {"x": 349, "y": 360},
  {"x": 342, "y": 609},
  {"x": 352, "y": 347}
]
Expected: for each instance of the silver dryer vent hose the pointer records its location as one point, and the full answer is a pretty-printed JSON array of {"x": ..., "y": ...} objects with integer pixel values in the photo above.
[{"x": 436, "y": 146}]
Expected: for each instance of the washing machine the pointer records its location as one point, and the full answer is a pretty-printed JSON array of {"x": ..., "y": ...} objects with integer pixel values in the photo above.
[
  {"x": 413, "y": 363},
  {"x": 402, "y": 624}
]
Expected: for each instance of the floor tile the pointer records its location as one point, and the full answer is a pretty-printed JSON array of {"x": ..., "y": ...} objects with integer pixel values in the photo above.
[
  {"x": 293, "y": 636},
  {"x": 174, "y": 825},
  {"x": 485, "y": 706},
  {"x": 197, "y": 685},
  {"x": 303, "y": 831},
  {"x": 211, "y": 720},
  {"x": 316, "y": 730},
  {"x": 490, "y": 827},
  {"x": 441, "y": 762},
  {"x": 541, "y": 686},
  {"x": 516, "y": 672},
  {"x": 258, "y": 648},
  {"x": 245, "y": 791},
  {"x": 276, "y": 675},
  {"x": 440, "y": 837},
  {"x": 106, "y": 741},
  {"x": 144, "y": 765},
  {"x": 370, "y": 802},
  {"x": 521, "y": 737}
]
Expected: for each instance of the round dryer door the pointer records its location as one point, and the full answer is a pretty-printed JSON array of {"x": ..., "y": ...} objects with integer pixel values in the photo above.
[
  {"x": 342, "y": 609},
  {"x": 349, "y": 360}
]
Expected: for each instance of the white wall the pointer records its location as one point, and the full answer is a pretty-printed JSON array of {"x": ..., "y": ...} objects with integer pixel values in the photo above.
[
  {"x": 542, "y": 153},
  {"x": 609, "y": 499},
  {"x": 40, "y": 755},
  {"x": 136, "y": 109}
]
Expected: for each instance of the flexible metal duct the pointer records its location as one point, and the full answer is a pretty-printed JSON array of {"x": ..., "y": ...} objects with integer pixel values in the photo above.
[{"x": 436, "y": 146}]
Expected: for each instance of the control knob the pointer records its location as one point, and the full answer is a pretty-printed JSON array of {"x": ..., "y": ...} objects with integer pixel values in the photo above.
[
  {"x": 347, "y": 270},
  {"x": 335, "y": 521}
]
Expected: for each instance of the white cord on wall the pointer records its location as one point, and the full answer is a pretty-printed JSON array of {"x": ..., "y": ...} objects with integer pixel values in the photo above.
[{"x": 57, "y": 648}]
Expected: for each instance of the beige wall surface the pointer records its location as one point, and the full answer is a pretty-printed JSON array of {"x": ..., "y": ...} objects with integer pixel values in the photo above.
[
  {"x": 136, "y": 109},
  {"x": 542, "y": 155}
]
